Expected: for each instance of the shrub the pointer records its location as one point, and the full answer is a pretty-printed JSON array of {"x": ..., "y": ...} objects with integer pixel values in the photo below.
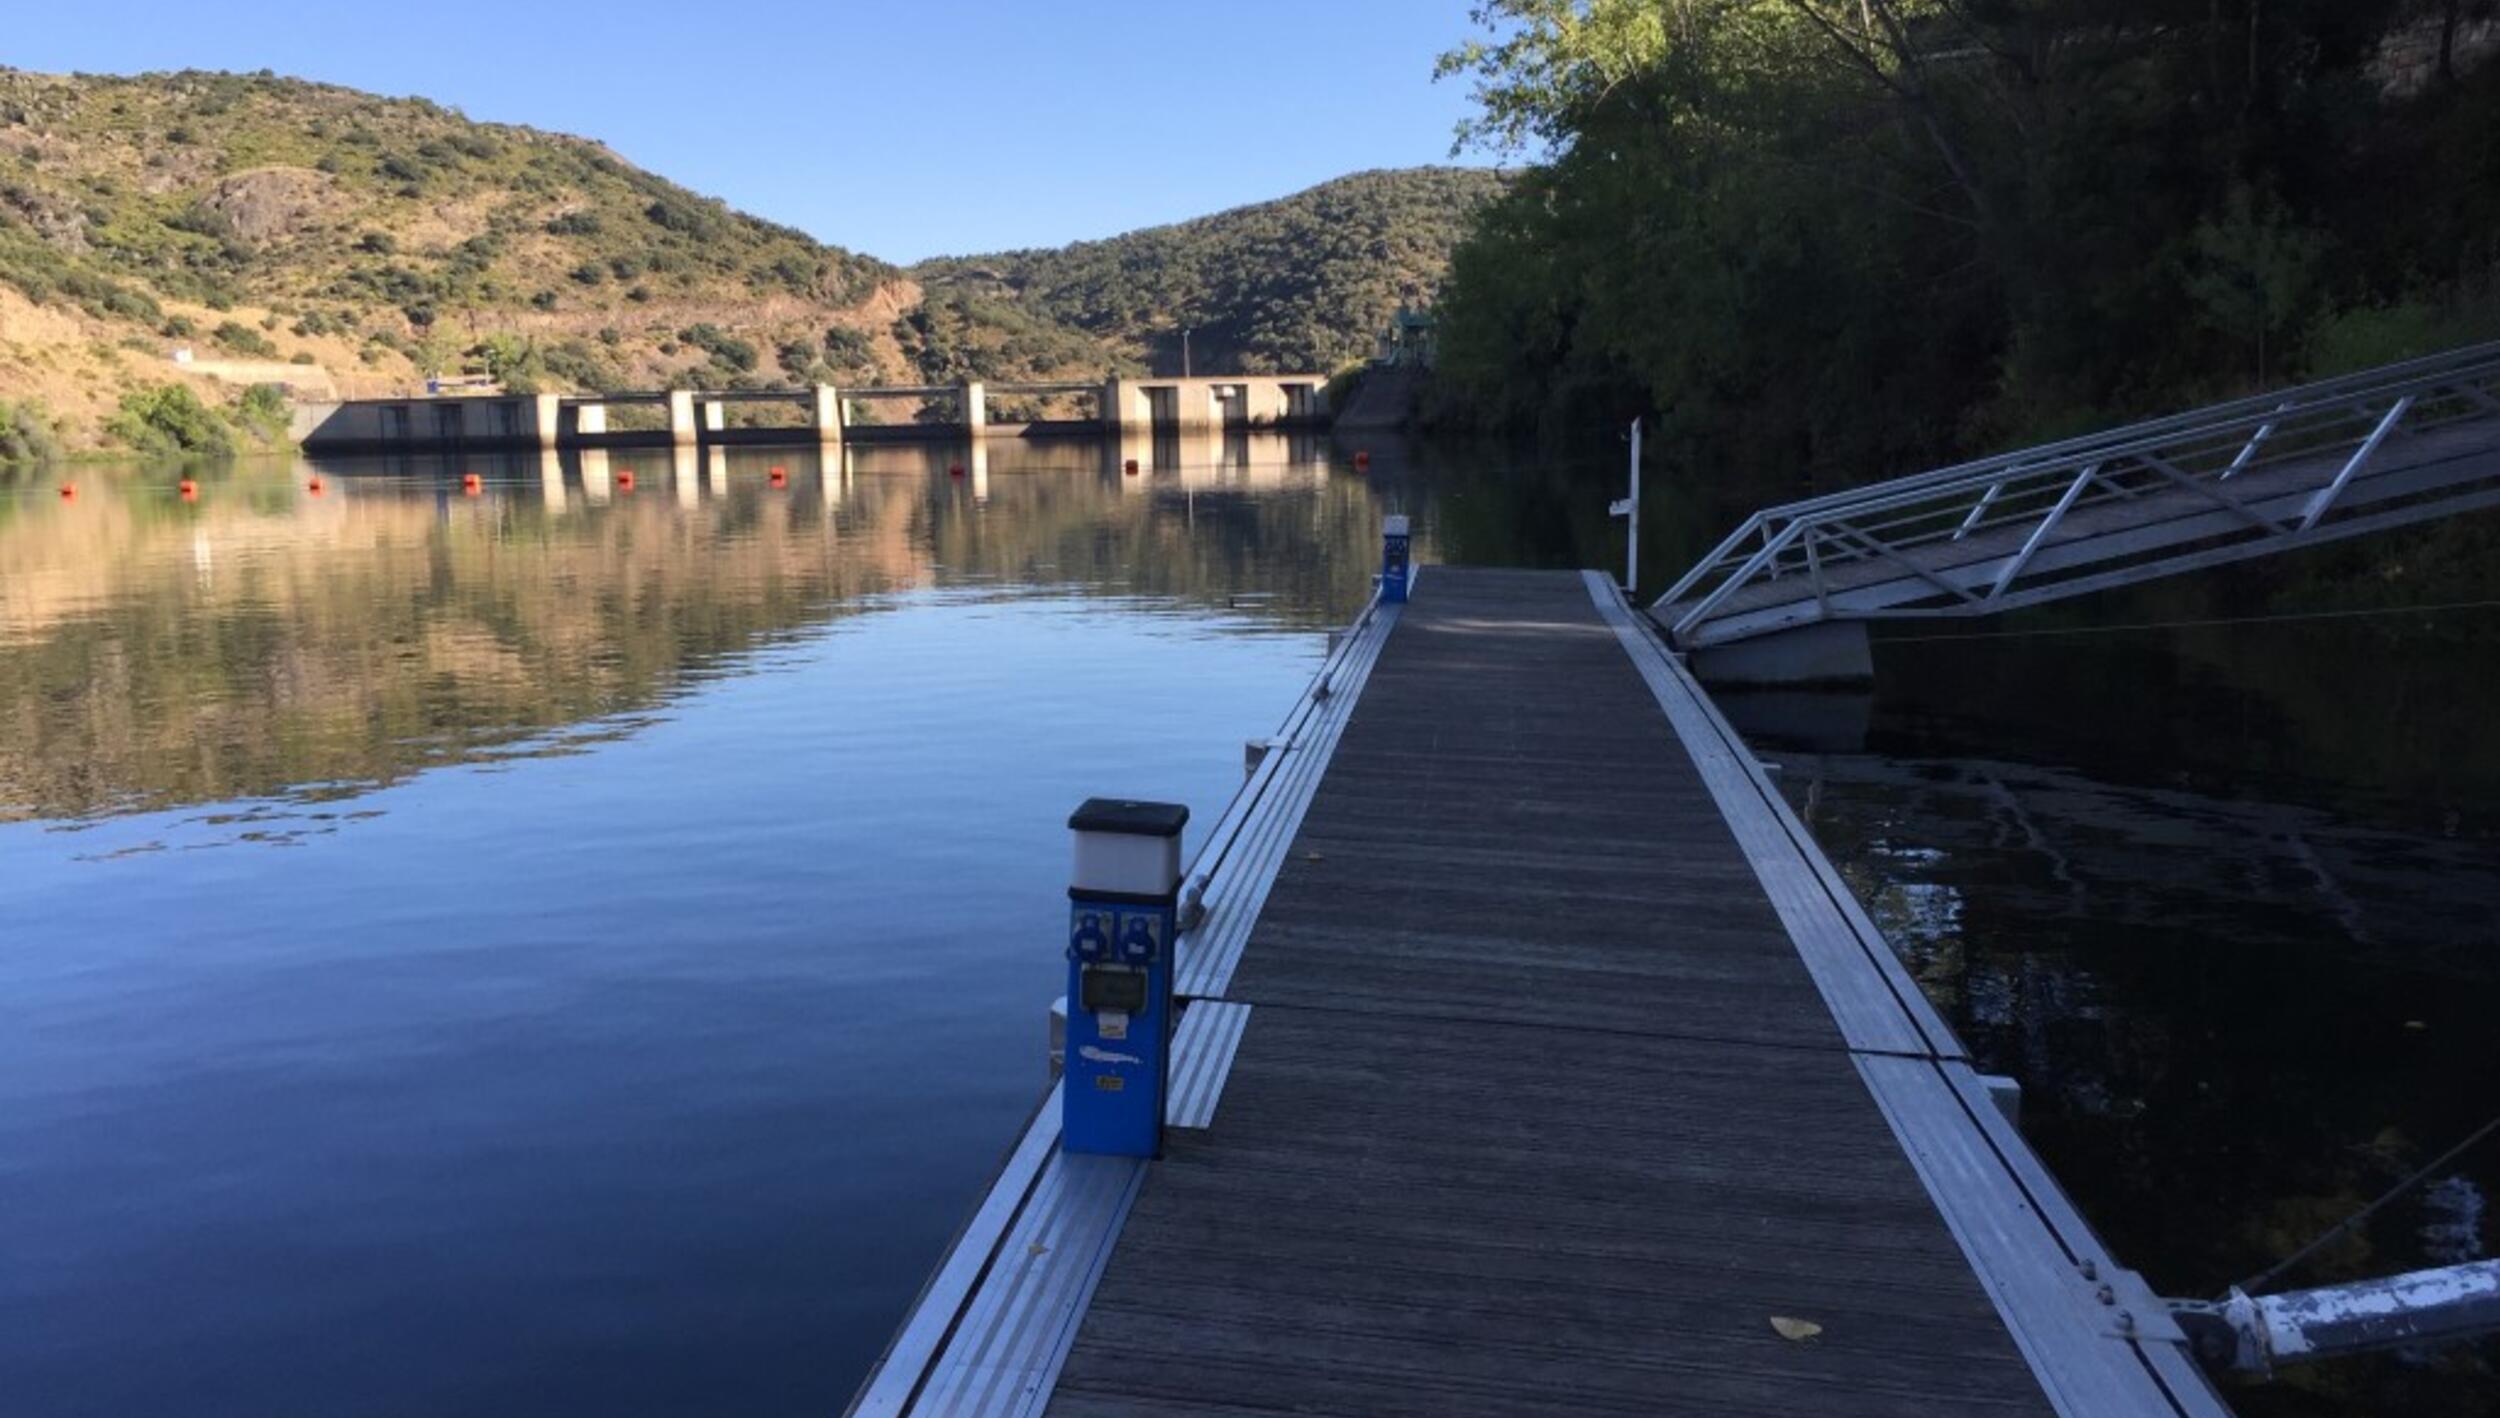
[
  {"x": 724, "y": 348},
  {"x": 692, "y": 219},
  {"x": 243, "y": 339},
  {"x": 847, "y": 348},
  {"x": 797, "y": 358},
  {"x": 169, "y": 419},
  {"x": 379, "y": 243},
  {"x": 575, "y": 363},
  {"x": 581, "y": 223},
  {"x": 26, "y": 433},
  {"x": 263, "y": 412}
]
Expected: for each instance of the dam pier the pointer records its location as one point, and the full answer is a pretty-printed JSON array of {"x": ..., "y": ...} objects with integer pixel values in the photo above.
[{"x": 822, "y": 413}]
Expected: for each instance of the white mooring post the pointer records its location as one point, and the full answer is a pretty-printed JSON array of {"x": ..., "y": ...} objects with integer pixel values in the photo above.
[{"x": 1629, "y": 508}]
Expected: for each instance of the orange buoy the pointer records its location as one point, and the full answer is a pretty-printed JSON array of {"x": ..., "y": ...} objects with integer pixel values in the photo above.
[
  {"x": 954, "y": 470},
  {"x": 1363, "y": 461},
  {"x": 777, "y": 471},
  {"x": 190, "y": 490},
  {"x": 471, "y": 484},
  {"x": 1129, "y": 467},
  {"x": 314, "y": 487},
  {"x": 625, "y": 480},
  {"x": 780, "y": 478},
  {"x": 69, "y": 489}
]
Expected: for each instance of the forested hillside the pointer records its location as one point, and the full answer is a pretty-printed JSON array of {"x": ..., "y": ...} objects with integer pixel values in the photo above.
[
  {"x": 1305, "y": 283},
  {"x": 1830, "y": 240}
]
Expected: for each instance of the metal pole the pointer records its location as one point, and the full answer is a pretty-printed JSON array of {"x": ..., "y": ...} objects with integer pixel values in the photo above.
[
  {"x": 1632, "y": 553},
  {"x": 2254, "y": 1333},
  {"x": 2326, "y": 499}
]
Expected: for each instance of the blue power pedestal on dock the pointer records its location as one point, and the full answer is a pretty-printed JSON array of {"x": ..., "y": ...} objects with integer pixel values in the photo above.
[
  {"x": 1395, "y": 565},
  {"x": 1122, "y": 910}
]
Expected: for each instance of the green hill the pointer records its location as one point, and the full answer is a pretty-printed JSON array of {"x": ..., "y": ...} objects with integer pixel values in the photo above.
[
  {"x": 344, "y": 243},
  {"x": 216, "y": 231},
  {"x": 1305, "y": 282}
]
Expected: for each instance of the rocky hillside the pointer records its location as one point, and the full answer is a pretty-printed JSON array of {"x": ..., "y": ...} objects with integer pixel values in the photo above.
[
  {"x": 211, "y": 232},
  {"x": 1306, "y": 282},
  {"x": 334, "y": 241}
]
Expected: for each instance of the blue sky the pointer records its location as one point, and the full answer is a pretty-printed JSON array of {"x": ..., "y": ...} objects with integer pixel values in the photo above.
[{"x": 905, "y": 129}]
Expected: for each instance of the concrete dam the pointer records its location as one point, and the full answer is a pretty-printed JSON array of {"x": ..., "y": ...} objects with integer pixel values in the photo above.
[{"x": 821, "y": 413}]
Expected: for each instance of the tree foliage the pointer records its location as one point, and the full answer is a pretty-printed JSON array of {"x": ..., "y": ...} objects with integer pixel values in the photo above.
[
  {"x": 26, "y": 433},
  {"x": 1830, "y": 240},
  {"x": 169, "y": 419}
]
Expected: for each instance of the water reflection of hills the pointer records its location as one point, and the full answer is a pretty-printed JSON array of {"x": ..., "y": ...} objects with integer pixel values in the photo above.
[{"x": 266, "y": 640}]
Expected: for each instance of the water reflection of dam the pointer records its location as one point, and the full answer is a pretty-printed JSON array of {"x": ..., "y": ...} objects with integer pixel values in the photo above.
[{"x": 269, "y": 634}]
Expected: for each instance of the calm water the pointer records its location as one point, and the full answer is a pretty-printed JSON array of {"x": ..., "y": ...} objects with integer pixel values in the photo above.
[{"x": 580, "y": 949}]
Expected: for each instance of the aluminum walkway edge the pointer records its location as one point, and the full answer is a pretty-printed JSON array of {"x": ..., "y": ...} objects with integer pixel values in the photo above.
[
  {"x": 1564, "y": 1075},
  {"x": 988, "y": 1331}
]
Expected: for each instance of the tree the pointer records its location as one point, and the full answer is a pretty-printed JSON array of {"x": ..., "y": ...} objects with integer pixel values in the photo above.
[{"x": 1829, "y": 240}]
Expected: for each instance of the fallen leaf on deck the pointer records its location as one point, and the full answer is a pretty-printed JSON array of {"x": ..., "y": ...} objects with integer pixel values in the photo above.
[{"x": 1798, "y": 1331}]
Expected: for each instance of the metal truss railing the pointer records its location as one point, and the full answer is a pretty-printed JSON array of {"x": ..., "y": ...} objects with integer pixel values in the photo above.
[{"x": 2220, "y": 483}]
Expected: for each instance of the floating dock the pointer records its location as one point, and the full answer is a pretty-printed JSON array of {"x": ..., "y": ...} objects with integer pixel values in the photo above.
[{"x": 1533, "y": 1058}]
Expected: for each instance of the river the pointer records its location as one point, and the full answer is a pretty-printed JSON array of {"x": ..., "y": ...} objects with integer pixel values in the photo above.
[{"x": 580, "y": 948}]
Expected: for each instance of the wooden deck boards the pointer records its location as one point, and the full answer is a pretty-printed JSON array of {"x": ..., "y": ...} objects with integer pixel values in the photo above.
[{"x": 1537, "y": 1109}]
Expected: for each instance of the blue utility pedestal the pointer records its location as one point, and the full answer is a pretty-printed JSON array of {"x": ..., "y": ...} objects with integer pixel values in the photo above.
[
  {"x": 1394, "y": 563},
  {"x": 1122, "y": 903}
]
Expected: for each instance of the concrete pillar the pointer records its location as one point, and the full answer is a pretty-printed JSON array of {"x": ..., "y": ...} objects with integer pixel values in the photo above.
[
  {"x": 590, "y": 418},
  {"x": 976, "y": 409},
  {"x": 1263, "y": 402},
  {"x": 828, "y": 415},
  {"x": 546, "y": 414},
  {"x": 681, "y": 429},
  {"x": 685, "y": 471},
  {"x": 551, "y": 478},
  {"x": 716, "y": 469},
  {"x": 595, "y": 475},
  {"x": 715, "y": 415},
  {"x": 979, "y": 459}
]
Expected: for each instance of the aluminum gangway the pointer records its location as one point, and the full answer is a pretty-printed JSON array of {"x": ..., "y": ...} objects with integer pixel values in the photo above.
[{"x": 1788, "y": 596}]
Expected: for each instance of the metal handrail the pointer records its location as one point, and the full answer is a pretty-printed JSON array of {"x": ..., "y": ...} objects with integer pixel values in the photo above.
[
  {"x": 2202, "y": 450},
  {"x": 1211, "y": 853}
]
